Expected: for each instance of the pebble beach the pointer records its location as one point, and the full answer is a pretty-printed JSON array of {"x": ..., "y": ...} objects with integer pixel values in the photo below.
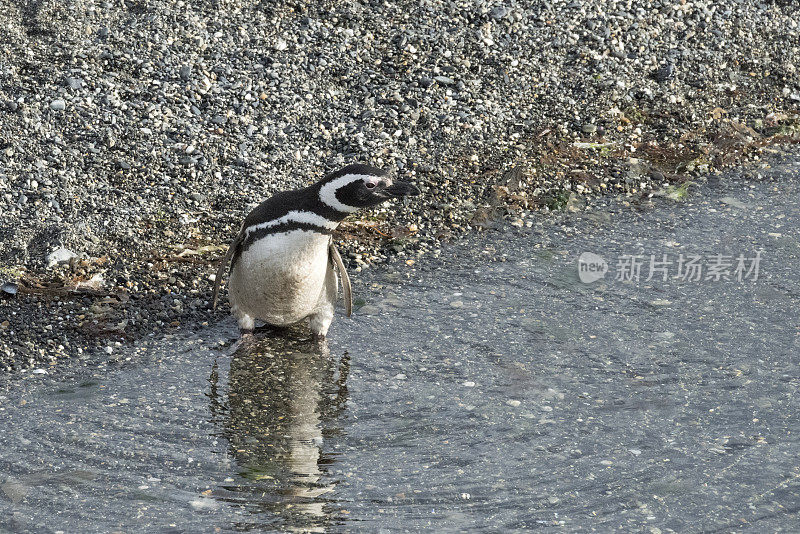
[{"x": 135, "y": 136}]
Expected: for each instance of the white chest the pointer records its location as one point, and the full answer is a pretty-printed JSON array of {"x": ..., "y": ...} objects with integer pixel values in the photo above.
[{"x": 281, "y": 277}]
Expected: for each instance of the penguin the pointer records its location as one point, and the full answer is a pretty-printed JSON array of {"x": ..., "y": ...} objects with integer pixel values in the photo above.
[{"x": 282, "y": 260}]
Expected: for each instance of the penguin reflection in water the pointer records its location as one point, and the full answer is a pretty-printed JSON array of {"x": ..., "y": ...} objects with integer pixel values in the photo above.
[
  {"x": 283, "y": 402},
  {"x": 282, "y": 259}
]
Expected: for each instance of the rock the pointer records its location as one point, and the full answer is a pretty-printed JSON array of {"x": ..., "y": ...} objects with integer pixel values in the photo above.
[
  {"x": 60, "y": 256},
  {"x": 73, "y": 83},
  {"x": 204, "y": 504},
  {"x": 575, "y": 203},
  {"x": 9, "y": 288},
  {"x": 499, "y": 12},
  {"x": 58, "y": 105},
  {"x": 730, "y": 201},
  {"x": 665, "y": 73}
]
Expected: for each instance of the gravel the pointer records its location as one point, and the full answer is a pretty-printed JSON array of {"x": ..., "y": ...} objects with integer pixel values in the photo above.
[{"x": 138, "y": 134}]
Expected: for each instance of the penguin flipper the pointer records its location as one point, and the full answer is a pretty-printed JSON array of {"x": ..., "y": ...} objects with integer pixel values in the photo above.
[
  {"x": 221, "y": 269},
  {"x": 346, "y": 287}
]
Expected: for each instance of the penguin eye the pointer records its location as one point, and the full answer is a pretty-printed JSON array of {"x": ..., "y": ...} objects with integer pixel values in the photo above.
[{"x": 370, "y": 185}]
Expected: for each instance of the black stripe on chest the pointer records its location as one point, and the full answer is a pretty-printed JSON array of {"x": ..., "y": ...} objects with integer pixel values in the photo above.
[{"x": 251, "y": 237}]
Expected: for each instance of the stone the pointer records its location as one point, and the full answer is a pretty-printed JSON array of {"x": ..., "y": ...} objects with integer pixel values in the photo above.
[{"x": 60, "y": 256}]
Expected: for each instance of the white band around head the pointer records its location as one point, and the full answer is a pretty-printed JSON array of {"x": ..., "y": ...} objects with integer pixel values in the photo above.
[{"x": 327, "y": 193}]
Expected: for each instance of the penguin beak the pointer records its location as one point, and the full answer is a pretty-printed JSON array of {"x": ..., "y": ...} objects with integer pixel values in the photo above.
[{"x": 400, "y": 189}]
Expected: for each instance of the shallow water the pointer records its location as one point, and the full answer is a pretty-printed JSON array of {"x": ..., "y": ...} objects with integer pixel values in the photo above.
[{"x": 488, "y": 390}]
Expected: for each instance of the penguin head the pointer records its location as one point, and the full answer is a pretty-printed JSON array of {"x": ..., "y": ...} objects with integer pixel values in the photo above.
[{"x": 361, "y": 186}]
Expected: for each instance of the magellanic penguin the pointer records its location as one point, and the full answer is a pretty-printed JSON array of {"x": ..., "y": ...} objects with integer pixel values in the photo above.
[{"x": 282, "y": 259}]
